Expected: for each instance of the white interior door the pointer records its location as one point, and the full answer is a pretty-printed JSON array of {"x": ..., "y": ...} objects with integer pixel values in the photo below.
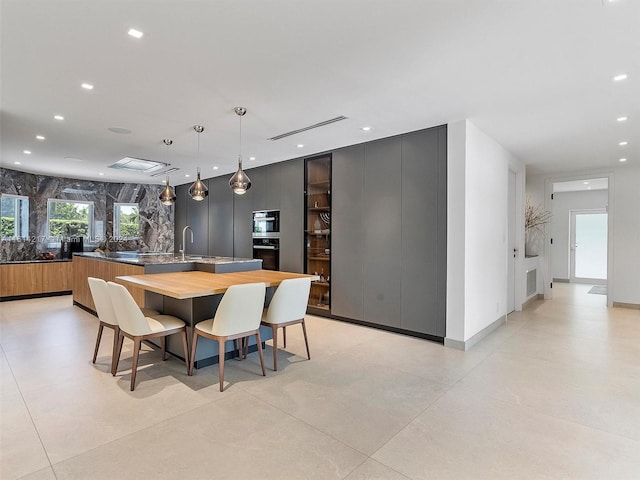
[
  {"x": 512, "y": 249},
  {"x": 588, "y": 254}
]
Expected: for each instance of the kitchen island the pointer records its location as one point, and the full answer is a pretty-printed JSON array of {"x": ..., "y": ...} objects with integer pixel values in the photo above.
[{"x": 109, "y": 265}]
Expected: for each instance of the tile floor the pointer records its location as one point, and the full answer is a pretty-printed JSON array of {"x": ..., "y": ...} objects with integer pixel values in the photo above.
[{"x": 554, "y": 393}]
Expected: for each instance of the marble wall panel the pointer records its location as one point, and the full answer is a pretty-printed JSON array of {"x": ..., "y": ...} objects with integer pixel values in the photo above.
[{"x": 156, "y": 220}]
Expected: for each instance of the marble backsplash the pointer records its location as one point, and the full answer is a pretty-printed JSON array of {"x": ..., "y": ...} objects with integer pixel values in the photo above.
[{"x": 156, "y": 220}]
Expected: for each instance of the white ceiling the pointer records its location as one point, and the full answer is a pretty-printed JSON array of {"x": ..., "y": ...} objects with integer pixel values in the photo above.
[
  {"x": 580, "y": 185},
  {"x": 536, "y": 75}
]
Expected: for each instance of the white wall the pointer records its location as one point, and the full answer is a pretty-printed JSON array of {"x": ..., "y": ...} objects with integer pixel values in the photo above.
[
  {"x": 478, "y": 172},
  {"x": 563, "y": 203},
  {"x": 626, "y": 240}
]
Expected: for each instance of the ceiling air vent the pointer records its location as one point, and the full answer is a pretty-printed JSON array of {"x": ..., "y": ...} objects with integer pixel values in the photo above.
[
  {"x": 310, "y": 127},
  {"x": 138, "y": 165},
  {"x": 172, "y": 169}
]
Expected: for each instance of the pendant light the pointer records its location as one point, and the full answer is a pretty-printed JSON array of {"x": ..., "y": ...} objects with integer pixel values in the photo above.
[
  {"x": 240, "y": 181},
  {"x": 198, "y": 191},
  {"x": 167, "y": 195}
]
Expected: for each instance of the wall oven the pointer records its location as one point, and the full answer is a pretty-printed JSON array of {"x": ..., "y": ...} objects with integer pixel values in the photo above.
[
  {"x": 267, "y": 250},
  {"x": 266, "y": 238},
  {"x": 266, "y": 224}
]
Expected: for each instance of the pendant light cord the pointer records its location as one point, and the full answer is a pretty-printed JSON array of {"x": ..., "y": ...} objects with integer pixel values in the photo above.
[{"x": 240, "y": 141}]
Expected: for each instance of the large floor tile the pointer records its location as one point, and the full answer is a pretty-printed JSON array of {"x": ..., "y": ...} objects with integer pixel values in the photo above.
[
  {"x": 359, "y": 403},
  {"x": 46, "y": 474},
  {"x": 464, "y": 436},
  {"x": 608, "y": 402},
  {"x": 238, "y": 437},
  {"x": 372, "y": 470},
  {"x": 8, "y": 385},
  {"x": 75, "y": 416},
  {"x": 21, "y": 451}
]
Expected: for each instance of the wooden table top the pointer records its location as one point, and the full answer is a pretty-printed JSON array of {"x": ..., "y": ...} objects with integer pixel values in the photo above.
[{"x": 193, "y": 284}]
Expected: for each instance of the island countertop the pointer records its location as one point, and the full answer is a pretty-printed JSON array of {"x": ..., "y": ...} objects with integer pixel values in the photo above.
[{"x": 155, "y": 258}]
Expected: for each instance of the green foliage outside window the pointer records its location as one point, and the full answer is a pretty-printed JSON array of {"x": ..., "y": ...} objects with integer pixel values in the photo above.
[
  {"x": 69, "y": 219},
  {"x": 7, "y": 226}
]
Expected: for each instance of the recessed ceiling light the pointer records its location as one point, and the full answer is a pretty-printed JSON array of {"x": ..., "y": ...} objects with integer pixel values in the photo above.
[
  {"x": 58, "y": 117},
  {"x": 622, "y": 76},
  {"x": 622, "y": 119},
  {"x": 215, "y": 168},
  {"x": 300, "y": 145},
  {"x": 623, "y": 159},
  {"x": 100, "y": 173},
  {"x": 622, "y": 144},
  {"x": 39, "y": 137},
  {"x": 16, "y": 163},
  {"x": 28, "y": 152},
  {"x": 164, "y": 181},
  {"x": 87, "y": 86},
  {"x": 135, "y": 33},
  {"x": 366, "y": 129},
  {"x": 187, "y": 175},
  {"x": 585, "y": 183},
  {"x": 252, "y": 158}
]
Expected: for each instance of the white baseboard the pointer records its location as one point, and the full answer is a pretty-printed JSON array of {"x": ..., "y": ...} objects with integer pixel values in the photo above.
[{"x": 467, "y": 344}]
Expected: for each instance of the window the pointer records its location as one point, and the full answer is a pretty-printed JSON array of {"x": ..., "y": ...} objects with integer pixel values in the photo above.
[
  {"x": 68, "y": 218},
  {"x": 14, "y": 216},
  {"x": 126, "y": 221}
]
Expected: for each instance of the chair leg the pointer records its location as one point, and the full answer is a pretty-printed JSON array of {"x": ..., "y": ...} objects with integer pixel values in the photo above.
[
  {"x": 259, "y": 343},
  {"x": 284, "y": 337},
  {"x": 163, "y": 344},
  {"x": 134, "y": 367},
  {"x": 120, "y": 342},
  {"x": 194, "y": 344},
  {"x": 186, "y": 349},
  {"x": 306, "y": 342},
  {"x": 95, "y": 352},
  {"x": 239, "y": 345},
  {"x": 114, "y": 349},
  {"x": 221, "y": 363},
  {"x": 274, "y": 329}
]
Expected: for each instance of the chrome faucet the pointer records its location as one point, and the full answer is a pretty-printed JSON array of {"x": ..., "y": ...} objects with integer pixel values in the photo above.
[{"x": 183, "y": 250}]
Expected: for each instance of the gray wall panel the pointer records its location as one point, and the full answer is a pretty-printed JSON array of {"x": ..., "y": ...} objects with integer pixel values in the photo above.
[
  {"x": 198, "y": 220},
  {"x": 273, "y": 185},
  {"x": 292, "y": 216},
  {"x": 258, "y": 187},
  {"x": 441, "y": 298},
  {"x": 220, "y": 217},
  {"x": 347, "y": 233},
  {"x": 180, "y": 214},
  {"x": 419, "y": 231},
  {"x": 382, "y": 227},
  {"x": 243, "y": 224}
]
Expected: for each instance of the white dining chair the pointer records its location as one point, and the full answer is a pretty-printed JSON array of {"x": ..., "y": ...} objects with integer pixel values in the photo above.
[
  {"x": 237, "y": 317},
  {"x": 106, "y": 315},
  {"x": 287, "y": 307},
  {"x": 138, "y": 327}
]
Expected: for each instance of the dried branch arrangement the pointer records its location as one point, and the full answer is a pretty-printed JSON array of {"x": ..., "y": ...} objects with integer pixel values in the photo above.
[{"x": 535, "y": 216}]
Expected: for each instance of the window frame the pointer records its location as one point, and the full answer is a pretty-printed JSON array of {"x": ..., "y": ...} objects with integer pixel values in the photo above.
[
  {"x": 116, "y": 221},
  {"x": 20, "y": 219},
  {"x": 90, "y": 215}
]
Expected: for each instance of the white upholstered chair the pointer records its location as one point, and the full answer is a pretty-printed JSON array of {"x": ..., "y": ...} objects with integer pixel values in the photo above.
[
  {"x": 237, "y": 317},
  {"x": 288, "y": 307},
  {"x": 107, "y": 316},
  {"x": 138, "y": 327}
]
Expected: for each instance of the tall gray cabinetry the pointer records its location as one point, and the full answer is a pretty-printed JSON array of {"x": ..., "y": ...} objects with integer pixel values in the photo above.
[{"x": 389, "y": 233}]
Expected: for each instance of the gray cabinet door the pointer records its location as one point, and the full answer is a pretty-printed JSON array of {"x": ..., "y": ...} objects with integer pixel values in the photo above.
[
  {"x": 258, "y": 187},
  {"x": 220, "y": 217},
  {"x": 198, "y": 220},
  {"x": 420, "y": 206},
  {"x": 273, "y": 185},
  {"x": 347, "y": 233},
  {"x": 382, "y": 228},
  {"x": 292, "y": 215}
]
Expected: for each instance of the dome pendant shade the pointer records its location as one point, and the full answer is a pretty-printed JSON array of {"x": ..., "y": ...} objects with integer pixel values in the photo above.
[
  {"x": 198, "y": 191},
  {"x": 240, "y": 182}
]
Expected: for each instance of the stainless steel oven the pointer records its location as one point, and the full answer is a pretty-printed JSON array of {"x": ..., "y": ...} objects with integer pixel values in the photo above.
[
  {"x": 268, "y": 250},
  {"x": 266, "y": 224}
]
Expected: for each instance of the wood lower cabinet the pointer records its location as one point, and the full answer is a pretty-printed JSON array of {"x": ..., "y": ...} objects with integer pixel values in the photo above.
[
  {"x": 89, "y": 267},
  {"x": 34, "y": 278}
]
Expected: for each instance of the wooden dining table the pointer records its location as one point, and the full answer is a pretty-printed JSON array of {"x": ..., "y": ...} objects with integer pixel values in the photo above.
[{"x": 194, "y": 296}]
